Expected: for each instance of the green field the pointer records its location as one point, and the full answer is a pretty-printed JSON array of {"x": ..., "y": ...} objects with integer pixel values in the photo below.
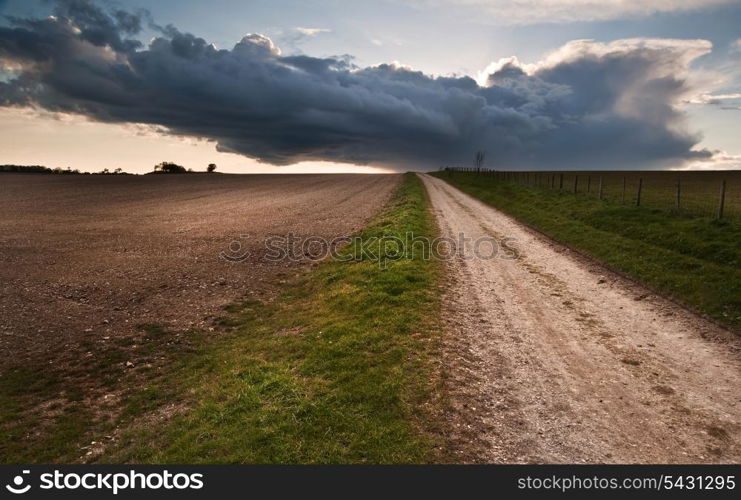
[
  {"x": 699, "y": 191},
  {"x": 338, "y": 369},
  {"x": 693, "y": 258}
]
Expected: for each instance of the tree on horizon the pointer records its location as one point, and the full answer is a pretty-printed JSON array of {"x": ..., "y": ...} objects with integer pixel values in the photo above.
[{"x": 168, "y": 167}]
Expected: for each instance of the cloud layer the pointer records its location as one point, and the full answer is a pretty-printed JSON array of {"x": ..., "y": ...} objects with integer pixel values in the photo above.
[
  {"x": 565, "y": 11},
  {"x": 588, "y": 105}
]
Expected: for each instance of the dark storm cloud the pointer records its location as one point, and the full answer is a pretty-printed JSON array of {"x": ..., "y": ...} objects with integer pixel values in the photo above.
[{"x": 589, "y": 106}]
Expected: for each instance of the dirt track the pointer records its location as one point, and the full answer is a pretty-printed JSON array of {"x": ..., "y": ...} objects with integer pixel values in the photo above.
[
  {"x": 551, "y": 358},
  {"x": 85, "y": 259}
]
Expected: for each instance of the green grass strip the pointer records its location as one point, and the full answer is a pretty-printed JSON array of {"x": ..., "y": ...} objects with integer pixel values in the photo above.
[{"x": 695, "y": 260}]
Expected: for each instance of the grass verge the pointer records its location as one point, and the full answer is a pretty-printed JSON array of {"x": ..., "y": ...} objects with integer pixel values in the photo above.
[
  {"x": 338, "y": 369},
  {"x": 694, "y": 260}
]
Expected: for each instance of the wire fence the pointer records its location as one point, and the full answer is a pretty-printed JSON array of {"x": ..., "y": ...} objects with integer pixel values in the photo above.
[{"x": 715, "y": 194}]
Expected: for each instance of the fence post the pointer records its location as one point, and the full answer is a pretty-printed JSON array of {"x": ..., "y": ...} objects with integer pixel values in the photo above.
[
  {"x": 589, "y": 184},
  {"x": 638, "y": 192},
  {"x": 560, "y": 182},
  {"x": 722, "y": 198},
  {"x": 623, "y": 190},
  {"x": 599, "y": 194},
  {"x": 679, "y": 194},
  {"x": 553, "y": 181},
  {"x": 576, "y": 183}
]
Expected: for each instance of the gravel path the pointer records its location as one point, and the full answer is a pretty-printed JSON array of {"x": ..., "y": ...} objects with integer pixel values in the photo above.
[{"x": 551, "y": 358}]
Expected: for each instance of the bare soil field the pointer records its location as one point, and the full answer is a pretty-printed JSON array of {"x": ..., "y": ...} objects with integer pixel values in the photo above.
[
  {"x": 86, "y": 260},
  {"x": 550, "y": 358}
]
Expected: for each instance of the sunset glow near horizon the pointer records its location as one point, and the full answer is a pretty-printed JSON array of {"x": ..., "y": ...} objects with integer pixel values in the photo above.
[{"x": 372, "y": 86}]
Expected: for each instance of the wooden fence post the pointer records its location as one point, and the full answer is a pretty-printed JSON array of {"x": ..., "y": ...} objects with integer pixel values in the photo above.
[
  {"x": 638, "y": 192},
  {"x": 553, "y": 181},
  {"x": 576, "y": 183},
  {"x": 679, "y": 194},
  {"x": 599, "y": 194},
  {"x": 589, "y": 184},
  {"x": 623, "y": 190},
  {"x": 722, "y": 200},
  {"x": 560, "y": 182}
]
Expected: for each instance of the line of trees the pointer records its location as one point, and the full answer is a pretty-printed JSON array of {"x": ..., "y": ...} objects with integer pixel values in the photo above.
[
  {"x": 165, "y": 167},
  {"x": 39, "y": 169}
]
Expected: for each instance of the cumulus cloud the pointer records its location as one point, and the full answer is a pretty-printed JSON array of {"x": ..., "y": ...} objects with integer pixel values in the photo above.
[
  {"x": 563, "y": 11},
  {"x": 587, "y": 105}
]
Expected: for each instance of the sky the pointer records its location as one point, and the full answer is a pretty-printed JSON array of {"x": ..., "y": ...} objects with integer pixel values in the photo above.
[{"x": 370, "y": 86}]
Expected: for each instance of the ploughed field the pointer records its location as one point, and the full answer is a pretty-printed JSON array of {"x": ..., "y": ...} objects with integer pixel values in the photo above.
[{"x": 87, "y": 261}]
